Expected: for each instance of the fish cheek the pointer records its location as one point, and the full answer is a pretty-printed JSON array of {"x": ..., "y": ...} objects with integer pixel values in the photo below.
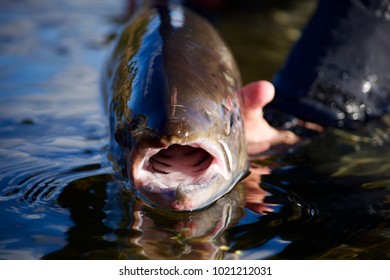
[
  {"x": 127, "y": 129},
  {"x": 133, "y": 130},
  {"x": 121, "y": 135}
]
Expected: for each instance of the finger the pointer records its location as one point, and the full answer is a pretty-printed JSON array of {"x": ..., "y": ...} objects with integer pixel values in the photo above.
[{"x": 257, "y": 94}]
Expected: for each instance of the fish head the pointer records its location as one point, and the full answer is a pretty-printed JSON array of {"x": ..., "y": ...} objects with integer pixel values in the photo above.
[
  {"x": 196, "y": 158},
  {"x": 177, "y": 116}
]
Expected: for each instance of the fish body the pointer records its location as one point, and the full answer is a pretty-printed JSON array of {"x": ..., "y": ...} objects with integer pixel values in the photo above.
[{"x": 171, "y": 89}]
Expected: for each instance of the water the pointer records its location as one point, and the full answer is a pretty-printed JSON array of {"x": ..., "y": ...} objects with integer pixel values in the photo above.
[{"x": 60, "y": 199}]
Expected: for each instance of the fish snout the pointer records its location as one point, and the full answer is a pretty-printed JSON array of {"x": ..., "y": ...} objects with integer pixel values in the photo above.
[
  {"x": 184, "y": 176},
  {"x": 199, "y": 119}
]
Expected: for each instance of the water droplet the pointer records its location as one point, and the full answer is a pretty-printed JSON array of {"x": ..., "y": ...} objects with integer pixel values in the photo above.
[
  {"x": 366, "y": 86},
  {"x": 340, "y": 115},
  {"x": 350, "y": 108}
]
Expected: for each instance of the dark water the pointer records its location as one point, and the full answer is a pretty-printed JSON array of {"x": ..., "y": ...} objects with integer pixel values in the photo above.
[{"x": 59, "y": 198}]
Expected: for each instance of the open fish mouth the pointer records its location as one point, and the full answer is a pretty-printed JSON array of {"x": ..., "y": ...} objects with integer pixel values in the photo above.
[{"x": 183, "y": 176}]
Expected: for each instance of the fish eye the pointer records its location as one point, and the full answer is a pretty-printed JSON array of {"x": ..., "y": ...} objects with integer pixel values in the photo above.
[
  {"x": 229, "y": 120},
  {"x": 207, "y": 114}
]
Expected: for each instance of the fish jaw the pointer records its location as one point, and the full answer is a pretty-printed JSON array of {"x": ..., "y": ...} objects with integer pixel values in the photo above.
[{"x": 182, "y": 176}]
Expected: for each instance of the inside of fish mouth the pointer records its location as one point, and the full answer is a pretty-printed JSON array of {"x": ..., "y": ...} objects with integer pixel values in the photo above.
[{"x": 180, "y": 162}]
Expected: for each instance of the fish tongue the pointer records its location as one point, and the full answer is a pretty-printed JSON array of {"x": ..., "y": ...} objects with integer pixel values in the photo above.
[{"x": 181, "y": 160}]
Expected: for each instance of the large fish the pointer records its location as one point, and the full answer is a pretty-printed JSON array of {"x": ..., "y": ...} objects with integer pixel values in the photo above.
[{"x": 172, "y": 95}]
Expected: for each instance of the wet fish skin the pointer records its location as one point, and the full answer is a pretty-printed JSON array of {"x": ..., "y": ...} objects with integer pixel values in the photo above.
[{"x": 172, "y": 85}]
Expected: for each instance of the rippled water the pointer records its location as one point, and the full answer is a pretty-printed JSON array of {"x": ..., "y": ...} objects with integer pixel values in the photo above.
[{"x": 60, "y": 199}]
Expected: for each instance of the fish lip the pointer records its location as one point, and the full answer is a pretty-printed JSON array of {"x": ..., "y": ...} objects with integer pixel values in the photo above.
[
  {"x": 182, "y": 196},
  {"x": 177, "y": 198}
]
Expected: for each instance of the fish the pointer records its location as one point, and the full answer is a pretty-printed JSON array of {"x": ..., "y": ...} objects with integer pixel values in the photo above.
[{"x": 171, "y": 90}]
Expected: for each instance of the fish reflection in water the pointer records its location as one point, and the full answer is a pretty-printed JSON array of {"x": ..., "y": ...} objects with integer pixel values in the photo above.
[{"x": 124, "y": 227}]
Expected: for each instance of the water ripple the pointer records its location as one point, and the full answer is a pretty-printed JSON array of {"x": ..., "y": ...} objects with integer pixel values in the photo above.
[
  {"x": 40, "y": 178},
  {"x": 37, "y": 181}
]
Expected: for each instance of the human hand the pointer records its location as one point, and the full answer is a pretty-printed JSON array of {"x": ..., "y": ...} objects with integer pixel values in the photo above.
[{"x": 259, "y": 134}]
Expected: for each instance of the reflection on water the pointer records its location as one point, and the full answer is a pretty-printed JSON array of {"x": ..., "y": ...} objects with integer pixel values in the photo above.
[
  {"x": 111, "y": 225},
  {"x": 59, "y": 198}
]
